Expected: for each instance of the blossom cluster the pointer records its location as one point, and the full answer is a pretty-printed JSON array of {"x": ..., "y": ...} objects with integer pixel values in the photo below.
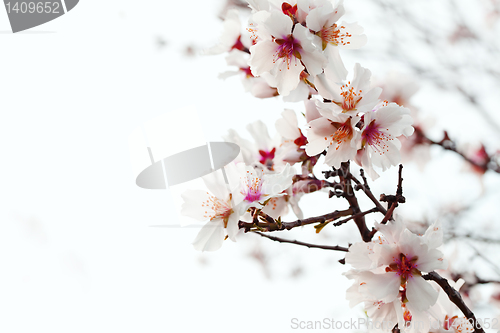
[{"x": 292, "y": 50}]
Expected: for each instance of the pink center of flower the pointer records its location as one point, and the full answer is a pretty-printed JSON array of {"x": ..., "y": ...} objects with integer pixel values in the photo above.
[
  {"x": 289, "y": 48},
  {"x": 253, "y": 189},
  {"x": 335, "y": 35},
  {"x": 376, "y": 138},
  {"x": 405, "y": 267},
  {"x": 266, "y": 158},
  {"x": 351, "y": 97}
]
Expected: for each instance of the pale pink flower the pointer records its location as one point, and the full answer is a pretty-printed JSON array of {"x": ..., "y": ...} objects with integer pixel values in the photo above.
[
  {"x": 335, "y": 132},
  {"x": 214, "y": 206},
  {"x": 379, "y": 137},
  {"x": 351, "y": 97},
  {"x": 292, "y": 146},
  {"x": 231, "y": 37},
  {"x": 257, "y": 86},
  {"x": 323, "y": 21},
  {"x": 389, "y": 269},
  {"x": 284, "y": 52},
  {"x": 257, "y": 186}
]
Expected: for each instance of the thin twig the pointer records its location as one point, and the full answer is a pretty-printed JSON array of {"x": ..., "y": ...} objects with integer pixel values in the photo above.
[
  {"x": 368, "y": 193},
  {"x": 296, "y": 242},
  {"x": 373, "y": 210}
]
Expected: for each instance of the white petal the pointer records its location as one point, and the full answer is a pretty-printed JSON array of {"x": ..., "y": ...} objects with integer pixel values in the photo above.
[
  {"x": 299, "y": 94},
  {"x": 192, "y": 206},
  {"x": 317, "y": 17},
  {"x": 311, "y": 110},
  {"x": 335, "y": 70},
  {"x": 288, "y": 126},
  {"x": 369, "y": 100},
  {"x": 259, "y": 132},
  {"x": 279, "y": 25},
  {"x": 232, "y": 226},
  {"x": 262, "y": 57},
  {"x": 420, "y": 293},
  {"x": 210, "y": 237},
  {"x": 287, "y": 74},
  {"x": 383, "y": 287},
  {"x": 434, "y": 235},
  {"x": 358, "y": 257},
  {"x": 216, "y": 185}
]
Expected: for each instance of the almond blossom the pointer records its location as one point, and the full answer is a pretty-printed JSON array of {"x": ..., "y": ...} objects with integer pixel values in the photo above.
[
  {"x": 284, "y": 50},
  {"x": 231, "y": 37},
  {"x": 323, "y": 21},
  {"x": 293, "y": 139},
  {"x": 335, "y": 132},
  {"x": 351, "y": 97},
  {"x": 264, "y": 152},
  {"x": 379, "y": 144},
  {"x": 214, "y": 206},
  {"x": 388, "y": 272},
  {"x": 257, "y": 187}
]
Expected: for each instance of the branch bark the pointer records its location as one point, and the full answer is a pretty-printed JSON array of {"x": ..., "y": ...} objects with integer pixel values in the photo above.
[{"x": 309, "y": 245}]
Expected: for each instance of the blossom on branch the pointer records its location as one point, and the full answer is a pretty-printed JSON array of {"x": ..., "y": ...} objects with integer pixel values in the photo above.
[
  {"x": 388, "y": 272},
  {"x": 379, "y": 137},
  {"x": 284, "y": 50}
]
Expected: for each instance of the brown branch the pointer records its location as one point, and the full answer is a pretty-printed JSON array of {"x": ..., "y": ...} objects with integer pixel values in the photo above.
[
  {"x": 455, "y": 298},
  {"x": 447, "y": 144},
  {"x": 296, "y": 242},
  {"x": 344, "y": 175},
  {"x": 276, "y": 225}
]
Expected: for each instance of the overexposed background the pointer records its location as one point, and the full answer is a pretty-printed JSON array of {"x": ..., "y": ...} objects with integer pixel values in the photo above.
[{"x": 77, "y": 250}]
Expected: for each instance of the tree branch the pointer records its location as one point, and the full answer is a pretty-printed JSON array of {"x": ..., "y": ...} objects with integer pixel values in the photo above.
[
  {"x": 447, "y": 144},
  {"x": 296, "y": 242},
  {"x": 344, "y": 175},
  {"x": 276, "y": 225},
  {"x": 373, "y": 210}
]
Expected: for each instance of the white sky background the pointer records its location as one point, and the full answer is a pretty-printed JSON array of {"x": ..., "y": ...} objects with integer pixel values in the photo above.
[{"x": 77, "y": 253}]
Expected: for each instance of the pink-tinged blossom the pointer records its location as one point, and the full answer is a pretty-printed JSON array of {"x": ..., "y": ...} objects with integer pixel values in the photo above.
[
  {"x": 389, "y": 270},
  {"x": 256, "y": 186},
  {"x": 264, "y": 152},
  {"x": 323, "y": 21},
  {"x": 257, "y": 86},
  {"x": 293, "y": 142},
  {"x": 214, "y": 206},
  {"x": 379, "y": 137},
  {"x": 231, "y": 37},
  {"x": 335, "y": 132},
  {"x": 284, "y": 50},
  {"x": 351, "y": 97}
]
